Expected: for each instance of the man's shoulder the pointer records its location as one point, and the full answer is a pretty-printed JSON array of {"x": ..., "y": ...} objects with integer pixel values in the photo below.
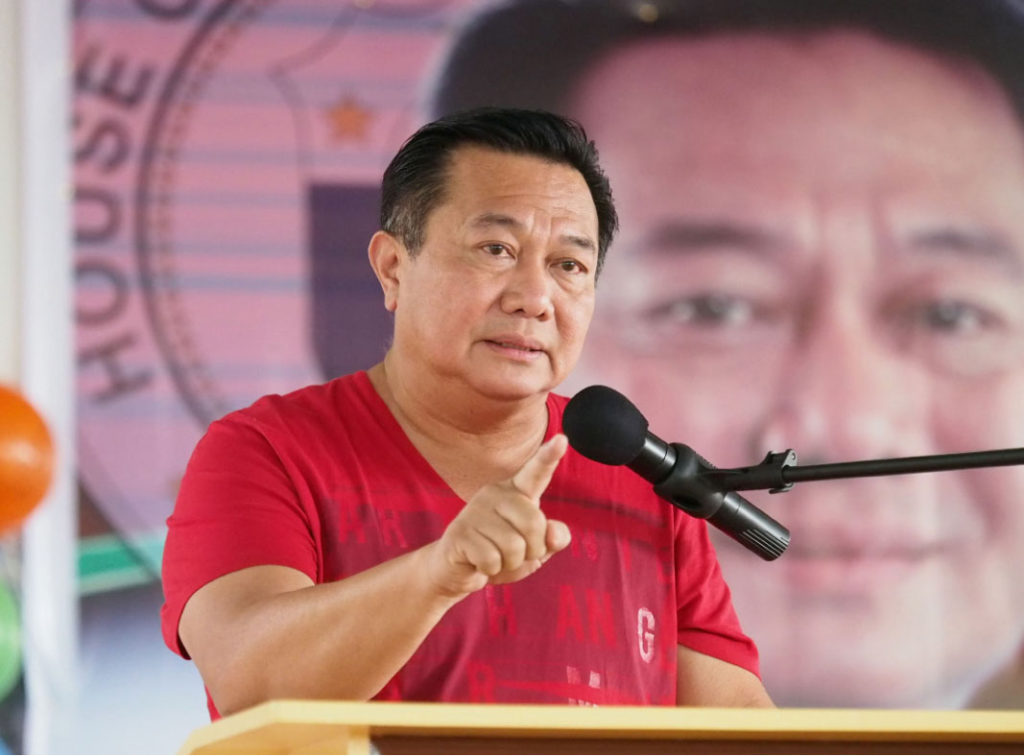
[
  {"x": 330, "y": 424},
  {"x": 347, "y": 400}
]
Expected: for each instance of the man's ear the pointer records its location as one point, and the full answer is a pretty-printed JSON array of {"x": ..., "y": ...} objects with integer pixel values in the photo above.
[{"x": 387, "y": 257}]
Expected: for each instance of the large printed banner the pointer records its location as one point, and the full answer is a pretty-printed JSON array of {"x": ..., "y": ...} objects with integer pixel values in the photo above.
[{"x": 821, "y": 249}]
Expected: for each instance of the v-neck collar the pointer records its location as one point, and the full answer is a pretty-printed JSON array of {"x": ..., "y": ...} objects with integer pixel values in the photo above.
[{"x": 379, "y": 408}]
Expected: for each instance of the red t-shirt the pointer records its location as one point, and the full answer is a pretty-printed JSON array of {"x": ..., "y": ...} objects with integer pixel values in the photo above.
[{"x": 325, "y": 481}]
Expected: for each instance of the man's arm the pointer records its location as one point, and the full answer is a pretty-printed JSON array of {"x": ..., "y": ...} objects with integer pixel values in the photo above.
[
  {"x": 703, "y": 680},
  {"x": 267, "y": 632}
]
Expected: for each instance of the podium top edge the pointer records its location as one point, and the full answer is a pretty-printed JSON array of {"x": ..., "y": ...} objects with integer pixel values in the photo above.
[{"x": 394, "y": 717}]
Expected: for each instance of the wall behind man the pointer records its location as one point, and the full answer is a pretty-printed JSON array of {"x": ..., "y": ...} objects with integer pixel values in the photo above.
[
  {"x": 36, "y": 356},
  {"x": 9, "y": 269},
  {"x": 11, "y": 702}
]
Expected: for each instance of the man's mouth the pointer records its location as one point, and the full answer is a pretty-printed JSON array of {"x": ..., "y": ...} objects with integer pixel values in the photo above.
[
  {"x": 516, "y": 350},
  {"x": 516, "y": 343},
  {"x": 511, "y": 345},
  {"x": 854, "y": 571}
]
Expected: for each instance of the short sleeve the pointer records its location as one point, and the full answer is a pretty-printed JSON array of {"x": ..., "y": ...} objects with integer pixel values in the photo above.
[
  {"x": 237, "y": 507},
  {"x": 707, "y": 620}
]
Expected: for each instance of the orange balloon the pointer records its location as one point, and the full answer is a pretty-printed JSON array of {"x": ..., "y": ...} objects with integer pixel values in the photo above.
[{"x": 26, "y": 458}]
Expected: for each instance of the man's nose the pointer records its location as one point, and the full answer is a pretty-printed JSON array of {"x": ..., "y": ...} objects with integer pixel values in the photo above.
[
  {"x": 528, "y": 289},
  {"x": 846, "y": 394}
]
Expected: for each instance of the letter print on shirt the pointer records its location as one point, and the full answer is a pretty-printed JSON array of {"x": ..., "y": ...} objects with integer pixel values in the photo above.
[{"x": 645, "y": 633}]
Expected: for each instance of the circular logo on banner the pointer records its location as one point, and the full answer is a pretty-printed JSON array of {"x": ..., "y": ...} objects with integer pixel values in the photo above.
[{"x": 227, "y": 161}]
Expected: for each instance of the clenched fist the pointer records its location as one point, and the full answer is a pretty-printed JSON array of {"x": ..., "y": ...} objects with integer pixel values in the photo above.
[{"x": 501, "y": 535}]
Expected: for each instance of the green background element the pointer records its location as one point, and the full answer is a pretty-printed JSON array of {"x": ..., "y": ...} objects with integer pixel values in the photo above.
[
  {"x": 108, "y": 562},
  {"x": 10, "y": 641}
]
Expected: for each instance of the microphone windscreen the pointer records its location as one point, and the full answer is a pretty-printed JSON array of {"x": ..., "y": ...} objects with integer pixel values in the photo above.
[{"x": 604, "y": 425}]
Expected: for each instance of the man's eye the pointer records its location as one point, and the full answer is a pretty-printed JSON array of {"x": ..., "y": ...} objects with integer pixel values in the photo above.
[
  {"x": 496, "y": 250},
  {"x": 571, "y": 266},
  {"x": 713, "y": 310},
  {"x": 953, "y": 317},
  {"x": 961, "y": 336}
]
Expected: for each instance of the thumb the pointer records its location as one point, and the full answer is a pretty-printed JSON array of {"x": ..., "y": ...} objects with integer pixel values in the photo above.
[
  {"x": 557, "y": 536},
  {"x": 534, "y": 476}
]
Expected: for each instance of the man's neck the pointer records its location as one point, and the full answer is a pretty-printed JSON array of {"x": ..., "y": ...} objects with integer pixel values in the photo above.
[{"x": 468, "y": 439}]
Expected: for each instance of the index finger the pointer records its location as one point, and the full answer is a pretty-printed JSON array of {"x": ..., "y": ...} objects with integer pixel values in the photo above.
[{"x": 534, "y": 476}]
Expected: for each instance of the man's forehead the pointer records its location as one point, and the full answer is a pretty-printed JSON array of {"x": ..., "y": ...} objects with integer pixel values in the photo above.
[
  {"x": 474, "y": 158},
  {"x": 761, "y": 62},
  {"x": 477, "y": 176},
  {"x": 671, "y": 113}
]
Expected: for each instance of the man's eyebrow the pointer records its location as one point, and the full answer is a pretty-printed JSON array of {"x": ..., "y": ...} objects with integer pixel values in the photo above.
[
  {"x": 694, "y": 235},
  {"x": 580, "y": 242},
  {"x": 507, "y": 221},
  {"x": 968, "y": 243}
]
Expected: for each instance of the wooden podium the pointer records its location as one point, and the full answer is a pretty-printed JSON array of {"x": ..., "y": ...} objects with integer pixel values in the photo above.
[{"x": 341, "y": 727}]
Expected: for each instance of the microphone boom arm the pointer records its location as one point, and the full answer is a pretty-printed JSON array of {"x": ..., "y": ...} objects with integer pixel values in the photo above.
[{"x": 779, "y": 471}]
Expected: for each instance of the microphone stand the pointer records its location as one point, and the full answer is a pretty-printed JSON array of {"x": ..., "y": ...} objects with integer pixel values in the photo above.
[{"x": 779, "y": 471}]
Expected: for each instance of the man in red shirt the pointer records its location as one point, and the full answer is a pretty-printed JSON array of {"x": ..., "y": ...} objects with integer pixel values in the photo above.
[{"x": 388, "y": 534}]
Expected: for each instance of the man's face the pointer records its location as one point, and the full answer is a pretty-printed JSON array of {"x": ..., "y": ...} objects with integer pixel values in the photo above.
[
  {"x": 821, "y": 250},
  {"x": 501, "y": 293}
]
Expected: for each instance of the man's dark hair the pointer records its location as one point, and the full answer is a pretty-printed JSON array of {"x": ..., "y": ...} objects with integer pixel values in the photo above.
[
  {"x": 414, "y": 182},
  {"x": 531, "y": 53}
]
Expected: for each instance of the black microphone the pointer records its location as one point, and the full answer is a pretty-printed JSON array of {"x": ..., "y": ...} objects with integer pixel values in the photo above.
[{"x": 605, "y": 426}]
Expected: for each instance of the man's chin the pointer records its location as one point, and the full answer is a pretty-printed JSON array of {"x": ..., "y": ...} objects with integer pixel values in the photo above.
[
  {"x": 825, "y": 662},
  {"x": 511, "y": 390},
  {"x": 513, "y": 384},
  {"x": 835, "y": 637}
]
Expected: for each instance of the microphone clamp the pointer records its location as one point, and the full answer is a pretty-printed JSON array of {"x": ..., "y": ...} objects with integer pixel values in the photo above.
[
  {"x": 690, "y": 484},
  {"x": 769, "y": 474}
]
